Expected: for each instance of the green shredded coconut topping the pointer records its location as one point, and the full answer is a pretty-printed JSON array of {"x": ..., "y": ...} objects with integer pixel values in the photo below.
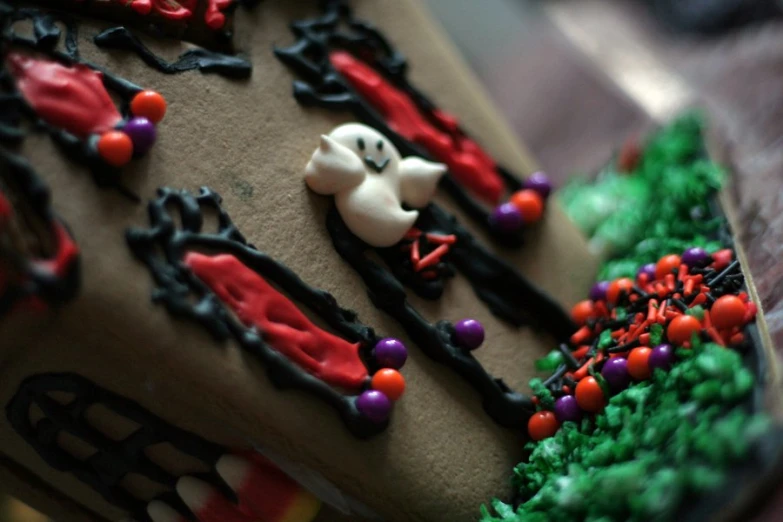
[
  {"x": 678, "y": 434},
  {"x": 656, "y": 443},
  {"x": 658, "y": 208}
]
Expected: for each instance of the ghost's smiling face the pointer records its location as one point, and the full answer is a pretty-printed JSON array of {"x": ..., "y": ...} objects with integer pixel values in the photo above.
[
  {"x": 370, "y": 182},
  {"x": 373, "y": 148}
]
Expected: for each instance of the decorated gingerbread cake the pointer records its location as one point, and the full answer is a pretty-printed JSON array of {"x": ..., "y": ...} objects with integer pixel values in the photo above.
[{"x": 282, "y": 261}]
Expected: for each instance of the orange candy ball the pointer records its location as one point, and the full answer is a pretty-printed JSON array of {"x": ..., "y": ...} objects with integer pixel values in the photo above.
[
  {"x": 682, "y": 328},
  {"x": 116, "y": 148},
  {"x": 542, "y": 425},
  {"x": 582, "y": 311},
  {"x": 617, "y": 287},
  {"x": 150, "y": 105},
  {"x": 529, "y": 203},
  {"x": 728, "y": 312},
  {"x": 390, "y": 382},
  {"x": 667, "y": 265},
  {"x": 639, "y": 363},
  {"x": 589, "y": 395}
]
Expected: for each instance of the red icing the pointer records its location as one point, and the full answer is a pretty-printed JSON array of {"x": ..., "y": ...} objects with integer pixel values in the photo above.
[
  {"x": 438, "y": 132},
  {"x": 72, "y": 98},
  {"x": 182, "y": 9},
  {"x": 214, "y": 18},
  {"x": 284, "y": 326}
]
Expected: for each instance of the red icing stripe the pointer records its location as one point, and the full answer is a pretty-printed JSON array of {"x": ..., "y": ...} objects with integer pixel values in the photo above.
[
  {"x": 284, "y": 326},
  {"x": 72, "y": 98},
  {"x": 466, "y": 160}
]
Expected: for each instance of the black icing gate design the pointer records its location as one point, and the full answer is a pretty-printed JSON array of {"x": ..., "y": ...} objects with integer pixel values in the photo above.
[
  {"x": 114, "y": 459},
  {"x": 184, "y": 295},
  {"x": 321, "y": 85}
]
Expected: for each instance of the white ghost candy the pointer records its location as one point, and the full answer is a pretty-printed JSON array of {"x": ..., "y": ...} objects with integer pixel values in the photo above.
[{"x": 369, "y": 181}]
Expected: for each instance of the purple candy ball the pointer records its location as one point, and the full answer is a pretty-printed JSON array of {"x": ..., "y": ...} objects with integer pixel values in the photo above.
[
  {"x": 506, "y": 218},
  {"x": 374, "y": 405},
  {"x": 539, "y": 182},
  {"x": 695, "y": 257},
  {"x": 566, "y": 409},
  {"x": 469, "y": 333},
  {"x": 662, "y": 356},
  {"x": 615, "y": 371},
  {"x": 391, "y": 353},
  {"x": 648, "y": 269},
  {"x": 598, "y": 291},
  {"x": 142, "y": 133}
]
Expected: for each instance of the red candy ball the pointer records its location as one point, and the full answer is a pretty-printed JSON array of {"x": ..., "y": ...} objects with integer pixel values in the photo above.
[
  {"x": 542, "y": 425},
  {"x": 667, "y": 265},
  {"x": 617, "y": 287},
  {"x": 390, "y": 382},
  {"x": 728, "y": 312},
  {"x": 639, "y": 363},
  {"x": 529, "y": 203},
  {"x": 722, "y": 258},
  {"x": 682, "y": 328},
  {"x": 150, "y": 105},
  {"x": 582, "y": 311},
  {"x": 116, "y": 148},
  {"x": 589, "y": 395}
]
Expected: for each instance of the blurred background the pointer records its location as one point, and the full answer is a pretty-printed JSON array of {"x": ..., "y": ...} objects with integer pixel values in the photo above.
[{"x": 578, "y": 78}]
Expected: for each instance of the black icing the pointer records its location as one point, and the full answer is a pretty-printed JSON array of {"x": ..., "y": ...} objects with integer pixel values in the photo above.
[
  {"x": 200, "y": 59},
  {"x": 321, "y": 85},
  {"x": 15, "y": 110},
  {"x": 506, "y": 292},
  {"x": 162, "y": 247},
  {"x": 34, "y": 280},
  {"x": 114, "y": 459}
]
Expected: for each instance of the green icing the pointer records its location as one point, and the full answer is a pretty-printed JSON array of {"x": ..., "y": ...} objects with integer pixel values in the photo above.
[
  {"x": 655, "y": 444},
  {"x": 657, "y": 209},
  {"x": 677, "y": 434}
]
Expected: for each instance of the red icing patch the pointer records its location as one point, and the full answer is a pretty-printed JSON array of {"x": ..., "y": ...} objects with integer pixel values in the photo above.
[
  {"x": 72, "y": 98},
  {"x": 284, "y": 326},
  {"x": 438, "y": 133}
]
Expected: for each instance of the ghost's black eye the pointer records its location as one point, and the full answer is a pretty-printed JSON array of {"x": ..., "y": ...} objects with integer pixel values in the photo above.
[
  {"x": 379, "y": 145},
  {"x": 360, "y": 143}
]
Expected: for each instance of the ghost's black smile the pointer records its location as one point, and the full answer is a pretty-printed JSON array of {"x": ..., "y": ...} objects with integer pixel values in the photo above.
[{"x": 375, "y": 165}]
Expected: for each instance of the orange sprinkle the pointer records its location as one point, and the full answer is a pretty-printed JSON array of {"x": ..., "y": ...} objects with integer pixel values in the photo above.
[
  {"x": 413, "y": 233},
  {"x": 651, "y": 310},
  {"x": 432, "y": 258},
  {"x": 618, "y": 333},
  {"x": 688, "y": 289},
  {"x": 743, "y": 296},
  {"x": 581, "y": 373},
  {"x": 670, "y": 283},
  {"x": 683, "y": 272},
  {"x": 661, "y": 317},
  {"x": 581, "y": 335},
  {"x": 580, "y": 352},
  {"x": 645, "y": 339},
  {"x": 715, "y": 336},
  {"x": 415, "y": 256},
  {"x": 699, "y": 300},
  {"x": 566, "y": 390},
  {"x": 705, "y": 289},
  {"x": 440, "y": 239},
  {"x": 737, "y": 338},
  {"x": 671, "y": 314},
  {"x": 707, "y": 322}
]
